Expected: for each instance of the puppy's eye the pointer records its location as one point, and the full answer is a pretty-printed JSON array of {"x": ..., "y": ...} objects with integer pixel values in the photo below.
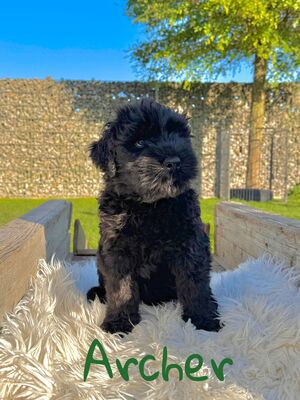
[{"x": 139, "y": 144}]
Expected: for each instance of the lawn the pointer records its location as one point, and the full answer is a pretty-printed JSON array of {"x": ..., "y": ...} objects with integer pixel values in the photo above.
[{"x": 85, "y": 209}]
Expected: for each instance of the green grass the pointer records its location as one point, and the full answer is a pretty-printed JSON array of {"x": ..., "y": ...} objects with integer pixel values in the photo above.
[
  {"x": 207, "y": 215},
  {"x": 291, "y": 209},
  {"x": 86, "y": 209}
]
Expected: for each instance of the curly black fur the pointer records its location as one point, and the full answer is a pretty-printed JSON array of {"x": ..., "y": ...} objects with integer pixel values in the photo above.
[{"x": 152, "y": 247}]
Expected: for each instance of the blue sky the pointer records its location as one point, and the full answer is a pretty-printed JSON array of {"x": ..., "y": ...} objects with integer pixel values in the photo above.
[{"x": 70, "y": 40}]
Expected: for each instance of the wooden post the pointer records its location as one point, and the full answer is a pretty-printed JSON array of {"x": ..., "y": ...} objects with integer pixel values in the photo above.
[{"x": 80, "y": 243}]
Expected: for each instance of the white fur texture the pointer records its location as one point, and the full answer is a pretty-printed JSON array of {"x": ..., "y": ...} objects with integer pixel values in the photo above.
[{"x": 44, "y": 342}]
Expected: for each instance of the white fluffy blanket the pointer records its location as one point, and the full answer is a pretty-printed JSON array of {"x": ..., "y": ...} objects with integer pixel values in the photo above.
[{"x": 44, "y": 342}]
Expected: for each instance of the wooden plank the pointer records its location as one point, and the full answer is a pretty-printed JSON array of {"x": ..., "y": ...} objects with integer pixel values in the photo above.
[
  {"x": 22, "y": 244},
  {"x": 79, "y": 240},
  {"x": 256, "y": 235},
  {"x": 55, "y": 217},
  {"x": 37, "y": 234},
  {"x": 242, "y": 232},
  {"x": 80, "y": 243},
  {"x": 285, "y": 240},
  {"x": 261, "y": 236},
  {"x": 215, "y": 265},
  {"x": 206, "y": 228},
  {"x": 62, "y": 252},
  {"x": 86, "y": 252}
]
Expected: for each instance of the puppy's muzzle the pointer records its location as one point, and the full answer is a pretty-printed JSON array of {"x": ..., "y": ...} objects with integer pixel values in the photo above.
[{"x": 172, "y": 163}]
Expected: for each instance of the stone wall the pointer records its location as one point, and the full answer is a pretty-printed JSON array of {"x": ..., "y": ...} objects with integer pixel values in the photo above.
[{"x": 46, "y": 126}]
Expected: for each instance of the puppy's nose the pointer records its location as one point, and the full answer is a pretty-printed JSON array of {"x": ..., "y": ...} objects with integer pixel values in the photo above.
[{"x": 172, "y": 163}]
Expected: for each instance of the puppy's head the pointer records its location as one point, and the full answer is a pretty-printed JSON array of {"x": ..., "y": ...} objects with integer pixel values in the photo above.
[{"x": 146, "y": 152}]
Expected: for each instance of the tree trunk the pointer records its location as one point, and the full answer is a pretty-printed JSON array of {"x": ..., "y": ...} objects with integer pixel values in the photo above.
[{"x": 257, "y": 118}]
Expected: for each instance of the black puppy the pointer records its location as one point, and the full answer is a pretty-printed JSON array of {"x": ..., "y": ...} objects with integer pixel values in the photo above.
[{"x": 153, "y": 247}]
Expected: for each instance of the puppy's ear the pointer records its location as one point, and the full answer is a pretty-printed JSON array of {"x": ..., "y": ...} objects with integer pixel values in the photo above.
[{"x": 102, "y": 153}]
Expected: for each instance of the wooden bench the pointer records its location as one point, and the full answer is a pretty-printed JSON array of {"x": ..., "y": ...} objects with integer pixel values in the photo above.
[
  {"x": 242, "y": 232},
  {"x": 41, "y": 233}
]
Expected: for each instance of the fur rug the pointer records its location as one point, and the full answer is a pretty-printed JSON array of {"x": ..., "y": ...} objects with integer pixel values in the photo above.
[{"x": 44, "y": 342}]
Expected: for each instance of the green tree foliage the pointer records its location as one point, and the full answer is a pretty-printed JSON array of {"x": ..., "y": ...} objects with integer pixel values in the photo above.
[
  {"x": 189, "y": 40},
  {"x": 192, "y": 39}
]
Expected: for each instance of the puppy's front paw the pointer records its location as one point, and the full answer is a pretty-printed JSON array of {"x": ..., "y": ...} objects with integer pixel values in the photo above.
[
  {"x": 207, "y": 324},
  {"x": 94, "y": 292},
  {"x": 120, "y": 324}
]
